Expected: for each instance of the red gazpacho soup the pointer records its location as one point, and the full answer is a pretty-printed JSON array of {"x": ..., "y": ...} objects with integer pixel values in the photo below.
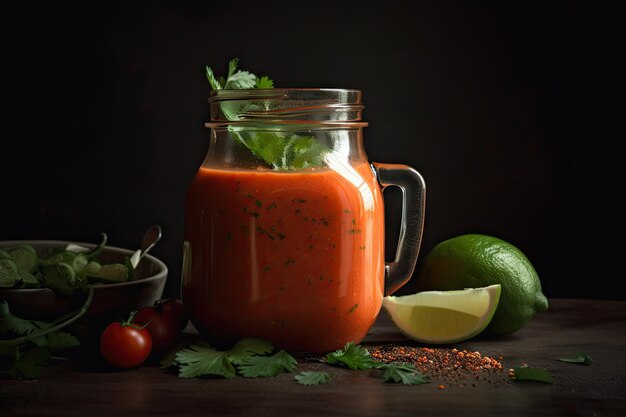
[{"x": 294, "y": 257}]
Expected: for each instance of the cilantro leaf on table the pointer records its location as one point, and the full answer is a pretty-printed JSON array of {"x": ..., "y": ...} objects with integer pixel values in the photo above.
[
  {"x": 312, "y": 378},
  {"x": 248, "y": 347},
  {"x": 61, "y": 340},
  {"x": 353, "y": 356},
  {"x": 581, "y": 358},
  {"x": 268, "y": 366},
  {"x": 402, "y": 372},
  {"x": 527, "y": 373},
  {"x": 169, "y": 359},
  {"x": 249, "y": 354},
  {"x": 203, "y": 360},
  {"x": 30, "y": 364},
  {"x": 18, "y": 326}
]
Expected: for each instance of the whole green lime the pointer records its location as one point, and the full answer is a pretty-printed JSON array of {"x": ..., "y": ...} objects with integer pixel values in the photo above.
[{"x": 474, "y": 261}]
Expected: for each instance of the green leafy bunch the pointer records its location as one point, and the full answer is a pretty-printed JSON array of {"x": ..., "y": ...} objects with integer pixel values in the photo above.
[
  {"x": 279, "y": 150},
  {"x": 237, "y": 79},
  {"x": 26, "y": 346}
]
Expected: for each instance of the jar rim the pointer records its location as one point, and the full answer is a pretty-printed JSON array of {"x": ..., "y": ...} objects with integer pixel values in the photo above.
[
  {"x": 251, "y": 91},
  {"x": 338, "y": 107}
]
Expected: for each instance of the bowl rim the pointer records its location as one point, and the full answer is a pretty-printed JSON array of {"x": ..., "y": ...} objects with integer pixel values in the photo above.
[{"x": 162, "y": 273}]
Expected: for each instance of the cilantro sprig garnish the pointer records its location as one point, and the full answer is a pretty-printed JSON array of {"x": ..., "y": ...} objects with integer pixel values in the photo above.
[
  {"x": 356, "y": 357},
  {"x": 237, "y": 79},
  {"x": 279, "y": 150}
]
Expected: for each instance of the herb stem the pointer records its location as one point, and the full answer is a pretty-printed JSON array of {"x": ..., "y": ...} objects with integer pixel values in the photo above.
[{"x": 56, "y": 325}]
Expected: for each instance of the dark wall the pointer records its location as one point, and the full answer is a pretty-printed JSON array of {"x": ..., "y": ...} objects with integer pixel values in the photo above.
[{"x": 508, "y": 110}]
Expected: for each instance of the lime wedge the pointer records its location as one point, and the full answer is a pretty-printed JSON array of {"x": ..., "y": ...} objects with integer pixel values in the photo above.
[
  {"x": 442, "y": 317},
  {"x": 24, "y": 256},
  {"x": 108, "y": 274},
  {"x": 8, "y": 273}
]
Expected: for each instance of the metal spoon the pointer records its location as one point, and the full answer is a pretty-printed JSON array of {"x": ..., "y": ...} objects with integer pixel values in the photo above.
[{"x": 150, "y": 238}]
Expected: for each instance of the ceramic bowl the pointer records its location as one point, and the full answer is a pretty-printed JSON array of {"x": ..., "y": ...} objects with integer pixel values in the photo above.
[{"x": 109, "y": 300}]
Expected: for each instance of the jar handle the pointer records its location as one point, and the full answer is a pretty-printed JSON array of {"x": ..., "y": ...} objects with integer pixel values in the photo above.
[{"x": 413, "y": 187}]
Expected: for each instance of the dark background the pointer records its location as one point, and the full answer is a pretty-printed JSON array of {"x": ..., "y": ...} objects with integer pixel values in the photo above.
[{"x": 509, "y": 110}]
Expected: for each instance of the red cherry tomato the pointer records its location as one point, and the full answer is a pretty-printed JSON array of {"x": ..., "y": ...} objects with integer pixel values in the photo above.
[
  {"x": 125, "y": 345},
  {"x": 164, "y": 321}
]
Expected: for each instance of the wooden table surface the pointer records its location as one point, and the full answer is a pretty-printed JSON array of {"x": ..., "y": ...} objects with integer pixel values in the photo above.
[{"x": 570, "y": 325}]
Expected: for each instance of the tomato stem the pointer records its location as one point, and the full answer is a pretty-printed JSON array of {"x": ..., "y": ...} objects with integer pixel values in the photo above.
[{"x": 129, "y": 322}]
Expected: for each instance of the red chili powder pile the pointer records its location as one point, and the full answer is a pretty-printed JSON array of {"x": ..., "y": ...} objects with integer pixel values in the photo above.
[{"x": 449, "y": 365}]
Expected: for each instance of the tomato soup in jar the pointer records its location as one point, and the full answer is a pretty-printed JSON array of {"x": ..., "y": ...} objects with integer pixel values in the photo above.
[{"x": 285, "y": 228}]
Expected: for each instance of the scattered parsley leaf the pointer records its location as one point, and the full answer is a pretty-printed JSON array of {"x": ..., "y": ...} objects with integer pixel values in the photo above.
[
  {"x": 268, "y": 366},
  {"x": 61, "y": 340},
  {"x": 353, "y": 356},
  {"x": 9, "y": 350},
  {"x": 248, "y": 347},
  {"x": 29, "y": 365},
  {"x": 203, "y": 360},
  {"x": 264, "y": 82},
  {"x": 169, "y": 359},
  {"x": 312, "y": 378},
  {"x": 526, "y": 373},
  {"x": 580, "y": 358},
  {"x": 402, "y": 372},
  {"x": 23, "y": 356}
]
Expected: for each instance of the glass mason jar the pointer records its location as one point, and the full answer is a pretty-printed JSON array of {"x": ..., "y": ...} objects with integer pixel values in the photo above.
[{"x": 284, "y": 222}]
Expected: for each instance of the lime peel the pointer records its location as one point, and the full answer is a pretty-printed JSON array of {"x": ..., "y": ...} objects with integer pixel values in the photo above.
[{"x": 443, "y": 317}]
